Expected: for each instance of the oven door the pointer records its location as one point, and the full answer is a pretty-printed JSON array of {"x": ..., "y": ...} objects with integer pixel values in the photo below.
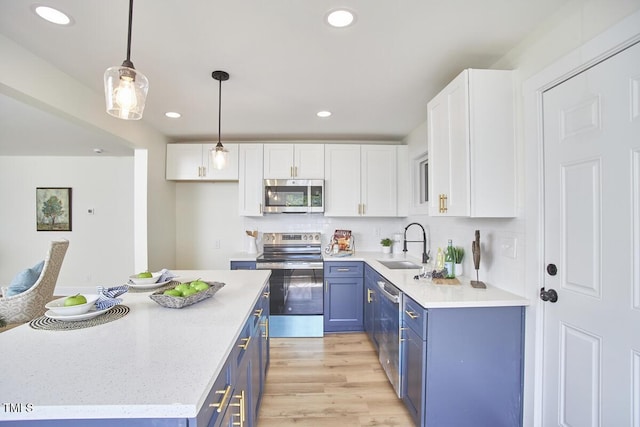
[
  {"x": 296, "y": 299},
  {"x": 296, "y": 290}
]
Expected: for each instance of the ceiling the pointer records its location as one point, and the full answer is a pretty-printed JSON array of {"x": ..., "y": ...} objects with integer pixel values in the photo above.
[{"x": 285, "y": 63}]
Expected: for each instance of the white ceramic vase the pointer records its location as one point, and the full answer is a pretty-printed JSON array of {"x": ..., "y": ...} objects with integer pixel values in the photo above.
[
  {"x": 458, "y": 270},
  {"x": 386, "y": 249}
]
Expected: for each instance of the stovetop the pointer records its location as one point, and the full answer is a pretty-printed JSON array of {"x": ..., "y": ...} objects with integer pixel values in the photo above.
[{"x": 286, "y": 247}]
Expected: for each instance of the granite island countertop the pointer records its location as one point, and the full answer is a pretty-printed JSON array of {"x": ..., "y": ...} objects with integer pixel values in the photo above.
[{"x": 155, "y": 362}]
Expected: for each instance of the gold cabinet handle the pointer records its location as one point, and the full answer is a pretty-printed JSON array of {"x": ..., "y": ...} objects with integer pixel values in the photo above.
[
  {"x": 258, "y": 313},
  {"x": 369, "y": 293},
  {"x": 225, "y": 396},
  {"x": 265, "y": 325},
  {"x": 246, "y": 343},
  {"x": 411, "y": 314},
  {"x": 266, "y": 294},
  {"x": 443, "y": 203},
  {"x": 343, "y": 269},
  {"x": 240, "y": 405},
  {"x": 326, "y": 286}
]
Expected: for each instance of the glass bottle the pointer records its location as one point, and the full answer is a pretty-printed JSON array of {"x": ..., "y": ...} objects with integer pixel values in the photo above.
[
  {"x": 449, "y": 261},
  {"x": 439, "y": 260}
]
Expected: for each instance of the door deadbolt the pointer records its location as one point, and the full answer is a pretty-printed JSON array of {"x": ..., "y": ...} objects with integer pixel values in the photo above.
[{"x": 552, "y": 269}]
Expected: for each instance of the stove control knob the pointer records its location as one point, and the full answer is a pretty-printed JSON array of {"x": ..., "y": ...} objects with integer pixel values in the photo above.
[
  {"x": 317, "y": 237},
  {"x": 304, "y": 237}
]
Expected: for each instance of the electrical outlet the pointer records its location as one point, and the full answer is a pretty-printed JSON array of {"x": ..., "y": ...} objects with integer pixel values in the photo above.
[
  {"x": 508, "y": 247},
  {"x": 217, "y": 244},
  {"x": 91, "y": 211}
]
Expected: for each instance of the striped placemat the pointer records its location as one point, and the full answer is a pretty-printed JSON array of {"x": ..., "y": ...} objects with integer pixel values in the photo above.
[{"x": 48, "y": 324}]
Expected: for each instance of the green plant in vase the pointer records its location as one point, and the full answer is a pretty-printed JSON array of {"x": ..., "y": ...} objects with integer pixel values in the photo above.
[{"x": 386, "y": 245}]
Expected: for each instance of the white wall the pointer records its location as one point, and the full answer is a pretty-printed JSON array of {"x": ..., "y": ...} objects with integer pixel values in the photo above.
[{"x": 100, "y": 245}]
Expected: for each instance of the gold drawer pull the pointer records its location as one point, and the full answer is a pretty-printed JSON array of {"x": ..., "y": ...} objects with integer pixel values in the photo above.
[
  {"x": 246, "y": 343},
  {"x": 225, "y": 396},
  {"x": 258, "y": 313},
  {"x": 411, "y": 314},
  {"x": 266, "y": 294},
  {"x": 369, "y": 293}
]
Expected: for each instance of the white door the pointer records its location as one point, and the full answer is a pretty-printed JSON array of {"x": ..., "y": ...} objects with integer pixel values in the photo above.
[{"x": 591, "y": 372}]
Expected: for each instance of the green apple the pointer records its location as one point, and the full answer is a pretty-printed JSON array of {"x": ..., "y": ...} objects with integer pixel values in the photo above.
[
  {"x": 75, "y": 300},
  {"x": 182, "y": 287},
  {"x": 173, "y": 293},
  {"x": 199, "y": 285},
  {"x": 145, "y": 275},
  {"x": 189, "y": 291}
]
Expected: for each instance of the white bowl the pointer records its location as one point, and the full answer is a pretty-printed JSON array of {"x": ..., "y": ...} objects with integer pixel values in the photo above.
[
  {"x": 144, "y": 281},
  {"x": 57, "y": 306}
]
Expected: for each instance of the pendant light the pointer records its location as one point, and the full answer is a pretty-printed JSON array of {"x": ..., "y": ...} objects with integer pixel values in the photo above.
[
  {"x": 219, "y": 153},
  {"x": 125, "y": 88}
]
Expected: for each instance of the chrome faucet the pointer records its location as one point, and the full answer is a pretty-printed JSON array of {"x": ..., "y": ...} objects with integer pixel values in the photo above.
[{"x": 425, "y": 255}]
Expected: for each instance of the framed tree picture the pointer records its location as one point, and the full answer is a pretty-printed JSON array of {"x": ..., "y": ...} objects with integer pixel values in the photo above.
[{"x": 53, "y": 209}]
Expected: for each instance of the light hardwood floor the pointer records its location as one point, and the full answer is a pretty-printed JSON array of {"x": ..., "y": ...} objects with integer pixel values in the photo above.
[{"x": 334, "y": 381}]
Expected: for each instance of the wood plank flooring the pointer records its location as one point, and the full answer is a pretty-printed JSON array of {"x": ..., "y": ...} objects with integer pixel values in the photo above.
[{"x": 335, "y": 381}]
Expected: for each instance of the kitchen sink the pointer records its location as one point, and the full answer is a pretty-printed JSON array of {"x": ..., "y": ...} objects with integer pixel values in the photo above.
[{"x": 399, "y": 264}]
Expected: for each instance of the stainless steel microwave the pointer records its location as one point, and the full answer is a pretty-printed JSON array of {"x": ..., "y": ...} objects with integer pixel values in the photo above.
[{"x": 293, "y": 195}]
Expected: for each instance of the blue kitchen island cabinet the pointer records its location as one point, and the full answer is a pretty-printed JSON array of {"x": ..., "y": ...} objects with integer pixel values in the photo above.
[
  {"x": 343, "y": 288},
  {"x": 463, "y": 366}
]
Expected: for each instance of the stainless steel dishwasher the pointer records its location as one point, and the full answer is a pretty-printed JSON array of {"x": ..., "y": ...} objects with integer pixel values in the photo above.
[{"x": 388, "y": 334}]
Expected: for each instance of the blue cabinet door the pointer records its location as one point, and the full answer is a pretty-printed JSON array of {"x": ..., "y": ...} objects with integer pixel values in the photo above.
[
  {"x": 343, "y": 304},
  {"x": 413, "y": 373},
  {"x": 370, "y": 303}
]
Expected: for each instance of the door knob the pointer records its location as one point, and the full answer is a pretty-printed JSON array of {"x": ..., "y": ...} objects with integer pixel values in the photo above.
[
  {"x": 551, "y": 295},
  {"x": 552, "y": 269}
]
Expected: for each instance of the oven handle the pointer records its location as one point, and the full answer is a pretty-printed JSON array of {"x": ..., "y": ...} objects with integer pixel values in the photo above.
[
  {"x": 290, "y": 266},
  {"x": 393, "y": 298}
]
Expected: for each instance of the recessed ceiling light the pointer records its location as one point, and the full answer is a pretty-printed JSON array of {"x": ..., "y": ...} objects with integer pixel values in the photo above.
[
  {"x": 52, "y": 15},
  {"x": 340, "y": 18},
  {"x": 323, "y": 114},
  {"x": 173, "y": 115}
]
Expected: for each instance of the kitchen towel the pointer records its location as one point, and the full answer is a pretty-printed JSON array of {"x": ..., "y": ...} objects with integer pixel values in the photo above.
[{"x": 108, "y": 296}]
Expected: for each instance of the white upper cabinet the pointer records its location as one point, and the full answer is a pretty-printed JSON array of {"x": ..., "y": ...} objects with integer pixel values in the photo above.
[
  {"x": 287, "y": 161},
  {"x": 361, "y": 180},
  {"x": 192, "y": 162},
  {"x": 472, "y": 146},
  {"x": 250, "y": 188}
]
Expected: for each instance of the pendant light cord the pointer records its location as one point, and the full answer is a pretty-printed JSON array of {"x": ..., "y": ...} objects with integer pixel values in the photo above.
[
  {"x": 129, "y": 34},
  {"x": 219, "y": 107}
]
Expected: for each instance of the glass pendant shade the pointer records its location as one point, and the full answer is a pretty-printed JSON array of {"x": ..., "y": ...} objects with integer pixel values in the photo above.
[
  {"x": 219, "y": 156},
  {"x": 125, "y": 91}
]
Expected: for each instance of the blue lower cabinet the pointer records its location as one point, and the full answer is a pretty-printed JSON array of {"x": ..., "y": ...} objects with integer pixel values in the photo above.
[
  {"x": 371, "y": 303},
  {"x": 343, "y": 288},
  {"x": 243, "y": 265},
  {"x": 463, "y": 366}
]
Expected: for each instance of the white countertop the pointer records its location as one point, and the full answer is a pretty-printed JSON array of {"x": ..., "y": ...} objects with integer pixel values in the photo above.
[
  {"x": 155, "y": 362},
  {"x": 430, "y": 295}
]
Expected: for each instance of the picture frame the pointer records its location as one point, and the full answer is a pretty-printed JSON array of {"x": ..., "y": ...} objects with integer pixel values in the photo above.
[{"x": 53, "y": 208}]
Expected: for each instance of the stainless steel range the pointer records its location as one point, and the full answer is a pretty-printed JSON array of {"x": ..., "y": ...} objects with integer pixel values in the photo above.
[{"x": 297, "y": 301}]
